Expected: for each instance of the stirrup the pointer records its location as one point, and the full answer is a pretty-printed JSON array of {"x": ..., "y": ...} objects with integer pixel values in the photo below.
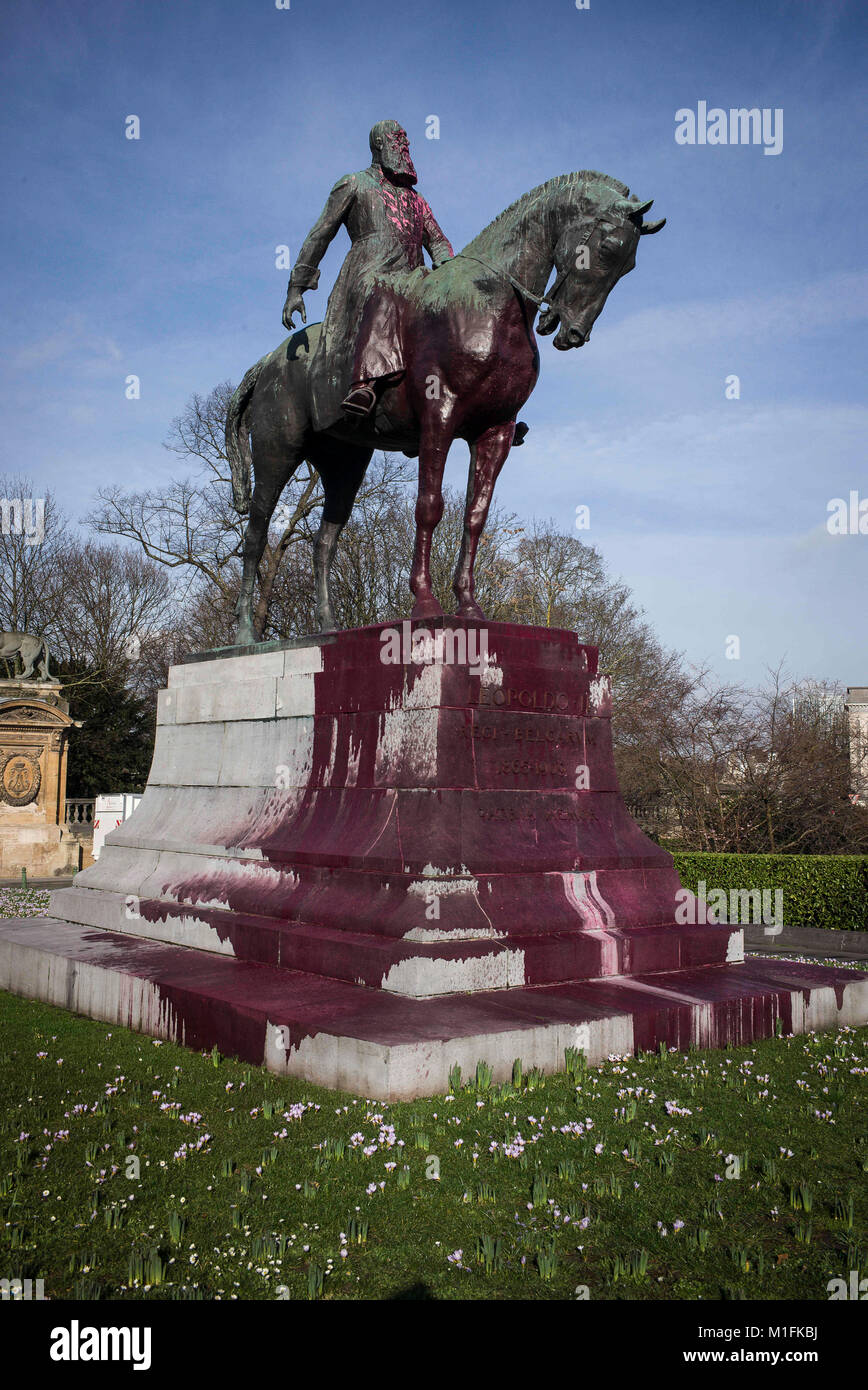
[
  {"x": 360, "y": 401},
  {"x": 521, "y": 429}
]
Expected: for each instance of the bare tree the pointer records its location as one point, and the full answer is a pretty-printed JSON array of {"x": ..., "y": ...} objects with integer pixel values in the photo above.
[
  {"x": 34, "y": 539},
  {"x": 191, "y": 526},
  {"x": 723, "y": 769},
  {"x": 701, "y": 743},
  {"x": 554, "y": 574},
  {"x": 115, "y": 600},
  {"x": 800, "y": 787}
]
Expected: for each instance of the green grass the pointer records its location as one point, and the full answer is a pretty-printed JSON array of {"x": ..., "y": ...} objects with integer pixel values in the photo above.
[{"x": 249, "y": 1184}]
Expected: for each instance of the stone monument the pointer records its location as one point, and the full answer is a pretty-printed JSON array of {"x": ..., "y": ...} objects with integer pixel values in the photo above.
[
  {"x": 363, "y": 857},
  {"x": 34, "y": 733},
  {"x": 362, "y": 871}
]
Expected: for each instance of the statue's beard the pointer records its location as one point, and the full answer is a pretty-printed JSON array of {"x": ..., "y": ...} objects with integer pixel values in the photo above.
[{"x": 398, "y": 168}]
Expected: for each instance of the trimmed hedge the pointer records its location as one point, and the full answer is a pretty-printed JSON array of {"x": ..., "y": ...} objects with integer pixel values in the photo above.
[{"x": 820, "y": 890}]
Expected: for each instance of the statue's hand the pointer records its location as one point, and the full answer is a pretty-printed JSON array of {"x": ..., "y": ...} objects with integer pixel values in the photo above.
[{"x": 294, "y": 305}]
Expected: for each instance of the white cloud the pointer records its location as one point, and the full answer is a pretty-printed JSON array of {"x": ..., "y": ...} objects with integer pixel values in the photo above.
[
  {"x": 783, "y": 601},
  {"x": 831, "y": 302},
  {"x": 72, "y": 338},
  {"x": 732, "y": 470}
]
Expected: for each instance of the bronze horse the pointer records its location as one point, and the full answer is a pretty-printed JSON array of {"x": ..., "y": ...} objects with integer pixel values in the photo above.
[{"x": 472, "y": 362}]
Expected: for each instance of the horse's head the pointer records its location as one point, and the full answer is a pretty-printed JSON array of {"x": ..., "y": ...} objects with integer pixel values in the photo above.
[{"x": 596, "y": 248}]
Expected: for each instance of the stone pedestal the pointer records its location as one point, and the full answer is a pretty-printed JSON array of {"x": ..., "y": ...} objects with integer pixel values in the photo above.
[
  {"x": 362, "y": 869},
  {"x": 34, "y": 731}
]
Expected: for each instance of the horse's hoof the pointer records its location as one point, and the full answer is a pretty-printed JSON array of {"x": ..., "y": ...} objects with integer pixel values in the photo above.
[
  {"x": 426, "y": 608},
  {"x": 470, "y": 610}
]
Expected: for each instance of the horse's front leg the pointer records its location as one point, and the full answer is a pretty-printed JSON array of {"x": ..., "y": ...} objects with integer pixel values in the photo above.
[
  {"x": 487, "y": 457},
  {"x": 436, "y": 436}
]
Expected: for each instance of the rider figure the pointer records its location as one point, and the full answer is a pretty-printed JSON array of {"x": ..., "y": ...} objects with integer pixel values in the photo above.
[{"x": 389, "y": 224}]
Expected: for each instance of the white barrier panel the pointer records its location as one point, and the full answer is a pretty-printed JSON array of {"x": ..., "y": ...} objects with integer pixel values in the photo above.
[{"x": 110, "y": 812}]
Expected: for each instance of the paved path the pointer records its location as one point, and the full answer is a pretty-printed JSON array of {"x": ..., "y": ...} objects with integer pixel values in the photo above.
[{"x": 815, "y": 942}]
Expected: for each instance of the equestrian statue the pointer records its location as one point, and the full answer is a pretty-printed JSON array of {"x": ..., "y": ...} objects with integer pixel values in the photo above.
[{"x": 411, "y": 357}]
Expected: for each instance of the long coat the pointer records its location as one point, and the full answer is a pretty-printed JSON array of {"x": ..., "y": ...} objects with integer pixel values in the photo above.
[{"x": 388, "y": 226}]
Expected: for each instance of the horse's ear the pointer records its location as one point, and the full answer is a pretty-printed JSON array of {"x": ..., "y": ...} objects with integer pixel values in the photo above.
[
  {"x": 651, "y": 227},
  {"x": 636, "y": 211}
]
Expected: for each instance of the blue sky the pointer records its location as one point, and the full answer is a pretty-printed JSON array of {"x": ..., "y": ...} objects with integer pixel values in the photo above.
[{"x": 157, "y": 257}]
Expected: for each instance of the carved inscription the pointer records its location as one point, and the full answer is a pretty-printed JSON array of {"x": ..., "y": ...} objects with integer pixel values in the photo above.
[
  {"x": 543, "y": 701},
  {"x": 530, "y": 747},
  {"x": 552, "y": 815},
  {"x": 525, "y": 733}
]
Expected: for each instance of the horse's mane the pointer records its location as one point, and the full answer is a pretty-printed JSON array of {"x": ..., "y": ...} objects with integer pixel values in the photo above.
[{"x": 528, "y": 202}]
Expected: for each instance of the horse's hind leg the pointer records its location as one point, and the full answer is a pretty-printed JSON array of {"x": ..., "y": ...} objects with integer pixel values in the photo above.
[
  {"x": 272, "y": 469},
  {"x": 487, "y": 457},
  {"x": 341, "y": 468}
]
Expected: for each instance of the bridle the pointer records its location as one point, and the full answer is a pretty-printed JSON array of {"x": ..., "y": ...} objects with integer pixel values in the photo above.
[{"x": 549, "y": 299}]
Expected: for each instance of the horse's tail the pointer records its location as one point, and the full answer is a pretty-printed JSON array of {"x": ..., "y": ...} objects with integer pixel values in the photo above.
[{"x": 238, "y": 439}]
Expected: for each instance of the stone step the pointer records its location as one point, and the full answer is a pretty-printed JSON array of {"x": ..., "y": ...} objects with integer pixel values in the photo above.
[
  {"x": 375, "y": 901},
  {"x": 385, "y": 1046},
  {"x": 427, "y": 961}
]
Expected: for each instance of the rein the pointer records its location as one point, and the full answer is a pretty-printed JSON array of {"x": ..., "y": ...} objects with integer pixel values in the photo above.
[
  {"x": 516, "y": 284},
  {"x": 546, "y": 299}
]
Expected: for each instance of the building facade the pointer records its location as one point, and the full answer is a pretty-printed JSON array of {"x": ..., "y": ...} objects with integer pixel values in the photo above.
[{"x": 856, "y": 705}]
